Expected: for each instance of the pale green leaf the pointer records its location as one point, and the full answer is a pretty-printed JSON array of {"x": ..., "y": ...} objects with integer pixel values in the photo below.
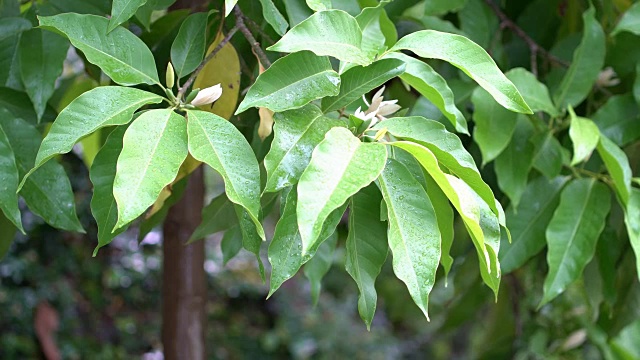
[
  {"x": 366, "y": 248},
  {"x": 585, "y": 67},
  {"x": 632, "y": 220},
  {"x": 102, "y": 175},
  {"x": 359, "y": 80},
  {"x": 216, "y": 142},
  {"x": 296, "y": 134},
  {"x": 95, "y": 109},
  {"x": 340, "y": 166},
  {"x": 378, "y": 31},
  {"x": 187, "y": 50},
  {"x": 123, "y": 10},
  {"x": 431, "y": 85},
  {"x": 120, "y": 54},
  {"x": 585, "y": 136},
  {"x": 573, "y": 232},
  {"x": 9, "y": 179},
  {"x": 292, "y": 82},
  {"x": 319, "y": 265},
  {"x": 319, "y": 5},
  {"x": 618, "y": 166},
  {"x": 334, "y": 33},
  {"x": 533, "y": 91},
  {"x": 468, "y": 57},
  {"x": 273, "y": 16},
  {"x": 512, "y": 166},
  {"x": 494, "y": 125},
  {"x": 219, "y": 215},
  {"x": 154, "y": 147},
  {"x": 528, "y": 222},
  {"x": 630, "y": 21},
  {"x": 414, "y": 237},
  {"x": 228, "y": 6}
]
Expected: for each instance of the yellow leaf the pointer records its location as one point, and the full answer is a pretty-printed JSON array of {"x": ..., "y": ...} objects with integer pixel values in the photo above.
[{"x": 266, "y": 122}]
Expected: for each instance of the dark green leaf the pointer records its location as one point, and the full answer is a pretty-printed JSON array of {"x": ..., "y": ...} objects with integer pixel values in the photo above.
[
  {"x": 231, "y": 243},
  {"x": 319, "y": 265},
  {"x": 251, "y": 239},
  {"x": 494, "y": 125},
  {"x": 548, "y": 154},
  {"x": 219, "y": 215},
  {"x": 9, "y": 179},
  {"x": 187, "y": 50},
  {"x": 513, "y": 165},
  {"x": 10, "y": 26},
  {"x": 619, "y": 118},
  {"x": 6, "y": 235}
]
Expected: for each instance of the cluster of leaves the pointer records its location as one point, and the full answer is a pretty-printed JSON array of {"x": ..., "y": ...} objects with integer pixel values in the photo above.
[{"x": 401, "y": 179}]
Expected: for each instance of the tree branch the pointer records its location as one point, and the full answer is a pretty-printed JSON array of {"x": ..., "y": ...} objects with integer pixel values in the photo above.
[
  {"x": 534, "y": 47},
  {"x": 255, "y": 46}
]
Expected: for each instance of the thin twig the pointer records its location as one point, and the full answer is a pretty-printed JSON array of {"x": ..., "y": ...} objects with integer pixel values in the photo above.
[
  {"x": 204, "y": 62},
  {"x": 256, "y": 28},
  {"x": 534, "y": 47},
  {"x": 252, "y": 41}
]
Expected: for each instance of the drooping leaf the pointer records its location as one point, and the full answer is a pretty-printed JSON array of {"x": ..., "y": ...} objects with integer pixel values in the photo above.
[
  {"x": 340, "y": 166},
  {"x": 444, "y": 214},
  {"x": 512, "y": 166},
  {"x": 154, "y": 147},
  {"x": 431, "y": 85},
  {"x": 378, "y": 31},
  {"x": 547, "y": 154},
  {"x": 9, "y": 179},
  {"x": 273, "y": 16},
  {"x": 447, "y": 148},
  {"x": 630, "y": 21},
  {"x": 216, "y": 142},
  {"x": 414, "y": 237},
  {"x": 533, "y": 91},
  {"x": 585, "y": 135},
  {"x": 231, "y": 244},
  {"x": 333, "y": 32},
  {"x": 296, "y": 134},
  {"x": 6, "y": 235},
  {"x": 366, "y": 248},
  {"x": 219, "y": 215},
  {"x": 481, "y": 222},
  {"x": 494, "y": 125},
  {"x": 285, "y": 251},
  {"x": 618, "y": 166},
  {"x": 95, "y": 109},
  {"x": 292, "y": 82},
  {"x": 359, "y": 80},
  {"x": 573, "y": 232},
  {"x": 120, "y": 54},
  {"x": 251, "y": 239},
  {"x": 619, "y": 118},
  {"x": 528, "y": 222},
  {"x": 319, "y": 265},
  {"x": 187, "y": 50},
  {"x": 123, "y": 10},
  {"x": 47, "y": 191},
  {"x": 102, "y": 175},
  {"x": 42, "y": 55},
  {"x": 585, "y": 67},
  {"x": 468, "y": 57},
  {"x": 632, "y": 220}
]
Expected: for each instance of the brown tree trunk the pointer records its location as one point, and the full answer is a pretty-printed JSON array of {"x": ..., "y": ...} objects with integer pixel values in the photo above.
[{"x": 184, "y": 280}]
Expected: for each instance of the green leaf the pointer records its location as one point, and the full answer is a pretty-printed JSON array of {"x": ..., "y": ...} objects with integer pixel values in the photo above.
[
  {"x": 42, "y": 56},
  {"x": 414, "y": 237},
  {"x": 273, "y": 16},
  {"x": 636, "y": 85},
  {"x": 548, "y": 154},
  {"x": 340, "y": 166},
  {"x": 528, "y": 222},
  {"x": 103, "y": 172},
  {"x": 441, "y": 7},
  {"x": 444, "y": 214},
  {"x": 378, "y": 31},
  {"x": 10, "y": 61},
  {"x": 296, "y": 134},
  {"x": 573, "y": 232},
  {"x": 231, "y": 243},
  {"x": 618, "y": 166},
  {"x": 319, "y": 265},
  {"x": 588, "y": 59},
  {"x": 514, "y": 163},
  {"x": 431, "y": 85},
  {"x": 447, "y": 148},
  {"x": 319, "y": 5},
  {"x": 149, "y": 223},
  {"x": 494, "y": 125},
  {"x": 95, "y": 109},
  {"x": 19, "y": 105},
  {"x": 144, "y": 12},
  {"x": 219, "y": 215},
  {"x": 630, "y": 21},
  {"x": 285, "y": 251},
  {"x": 468, "y": 57},
  {"x": 216, "y": 142},
  {"x": 47, "y": 192},
  {"x": 123, "y": 10},
  {"x": 154, "y": 147},
  {"x": 187, "y": 50},
  {"x": 120, "y": 54},
  {"x": 585, "y": 136},
  {"x": 10, "y": 26},
  {"x": 481, "y": 223},
  {"x": 228, "y": 6},
  {"x": 632, "y": 220},
  {"x": 9, "y": 179},
  {"x": 366, "y": 248},
  {"x": 359, "y": 80},
  {"x": 333, "y": 32},
  {"x": 6, "y": 235},
  {"x": 251, "y": 239},
  {"x": 619, "y": 118},
  {"x": 292, "y": 82},
  {"x": 533, "y": 91}
]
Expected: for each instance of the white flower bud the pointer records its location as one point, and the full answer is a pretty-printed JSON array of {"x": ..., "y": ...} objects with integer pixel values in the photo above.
[{"x": 207, "y": 96}]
